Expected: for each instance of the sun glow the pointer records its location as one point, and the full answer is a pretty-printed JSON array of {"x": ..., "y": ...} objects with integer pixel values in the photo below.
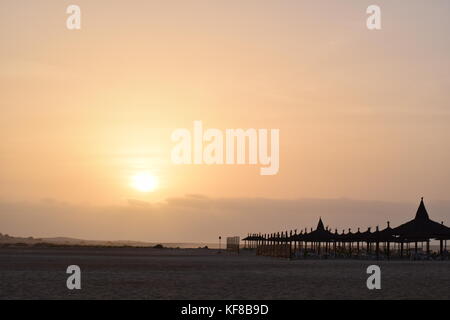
[{"x": 144, "y": 182}]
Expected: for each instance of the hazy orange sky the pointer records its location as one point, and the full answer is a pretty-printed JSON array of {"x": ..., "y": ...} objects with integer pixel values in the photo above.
[{"x": 363, "y": 115}]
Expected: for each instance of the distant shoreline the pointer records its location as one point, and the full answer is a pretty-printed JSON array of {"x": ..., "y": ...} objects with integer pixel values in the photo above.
[
  {"x": 99, "y": 246},
  {"x": 11, "y": 241}
]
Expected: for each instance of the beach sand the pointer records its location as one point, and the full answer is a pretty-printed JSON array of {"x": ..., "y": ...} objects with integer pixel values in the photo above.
[{"x": 146, "y": 273}]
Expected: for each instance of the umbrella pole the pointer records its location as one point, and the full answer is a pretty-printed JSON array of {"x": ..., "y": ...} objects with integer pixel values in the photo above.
[
  {"x": 335, "y": 248},
  {"x": 290, "y": 249},
  {"x": 415, "y": 250},
  {"x": 387, "y": 249},
  {"x": 378, "y": 250},
  {"x": 306, "y": 248}
]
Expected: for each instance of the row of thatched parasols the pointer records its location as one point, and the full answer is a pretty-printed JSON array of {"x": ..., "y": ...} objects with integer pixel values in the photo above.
[{"x": 323, "y": 241}]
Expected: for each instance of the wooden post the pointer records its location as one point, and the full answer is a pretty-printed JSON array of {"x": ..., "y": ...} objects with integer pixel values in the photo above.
[
  {"x": 334, "y": 248},
  {"x": 335, "y": 242},
  {"x": 377, "y": 244},
  {"x": 295, "y": 241},
  {"x": 388, "y": 250},
  {"x": 378, "y": 249},
  {"x": 290, "y": 245}
]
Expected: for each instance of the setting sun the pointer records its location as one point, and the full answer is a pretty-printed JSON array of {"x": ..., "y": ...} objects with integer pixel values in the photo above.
[{"x": 144, "y": 182}]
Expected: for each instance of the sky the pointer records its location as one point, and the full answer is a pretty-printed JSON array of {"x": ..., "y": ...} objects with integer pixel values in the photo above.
[{"x": 363, "y": 115}]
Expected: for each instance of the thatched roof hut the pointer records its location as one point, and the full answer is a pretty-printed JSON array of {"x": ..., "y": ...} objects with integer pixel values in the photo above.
[
  {"x": 319, "y": 235},
  {"x": 421, "y": 228}
]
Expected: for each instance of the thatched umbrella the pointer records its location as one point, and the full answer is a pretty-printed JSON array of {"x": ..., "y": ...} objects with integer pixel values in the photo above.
[
  {"x": 299, "y": 237},
  {"x": 245, "y": 241},
  {"x": 442, "y": 238},
  {"x": 248, "y": 241},
  {"x": 375, "y": 237},
  {"x": 367, "y": 238},
  {"x": 421, "y": 228},
  {"x": 357, "y": 237},
  {"x": 387, "y": 236},
  {"x": 337, "y": 241},
  {"x": 349, "y": 238},
  {"x": 254, "y": 239},
  {"x": 319, "y": 235}
]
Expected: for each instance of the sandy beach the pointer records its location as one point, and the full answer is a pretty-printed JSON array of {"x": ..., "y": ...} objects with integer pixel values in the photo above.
[{"x": 146, "y": 273}]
